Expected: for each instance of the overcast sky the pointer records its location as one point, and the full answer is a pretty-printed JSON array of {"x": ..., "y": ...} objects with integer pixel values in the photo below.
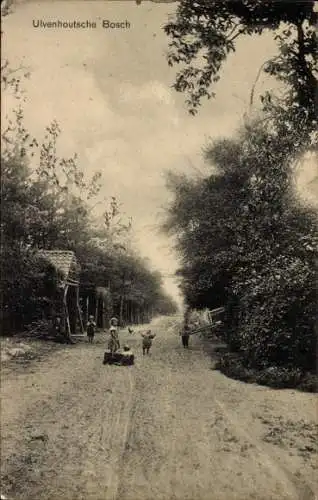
[{"x": 110, "y": 91}]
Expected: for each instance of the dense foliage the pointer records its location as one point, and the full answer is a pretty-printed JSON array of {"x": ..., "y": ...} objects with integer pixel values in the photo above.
[
  {"x": 202, "y": 35},
  {"x": 245, "y": 239},
  {"x": 47, "y": 204},
  {"x": 246, "y": 242}
]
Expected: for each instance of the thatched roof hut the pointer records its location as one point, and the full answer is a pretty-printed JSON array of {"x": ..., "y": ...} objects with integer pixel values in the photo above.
[
  {"x": 68, "y": 269},
  {"x": 65, "y": 263}
]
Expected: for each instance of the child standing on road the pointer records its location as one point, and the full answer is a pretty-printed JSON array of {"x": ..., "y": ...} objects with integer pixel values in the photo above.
[
  {"x": 185, "y": 334},
  {"x": 113, "y": 343},
  {"x": 147, "y": 339},
  {"x": 91, "y": 325}
]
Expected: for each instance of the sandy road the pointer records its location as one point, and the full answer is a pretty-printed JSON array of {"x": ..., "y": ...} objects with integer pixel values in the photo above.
[{"x": 168, "y": 428}]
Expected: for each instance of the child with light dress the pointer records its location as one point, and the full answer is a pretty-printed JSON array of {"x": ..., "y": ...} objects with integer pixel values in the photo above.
[{"x": 113, "y": 343}]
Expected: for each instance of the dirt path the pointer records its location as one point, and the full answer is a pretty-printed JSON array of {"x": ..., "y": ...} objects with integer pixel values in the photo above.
[{"x": 168, "y": 428}]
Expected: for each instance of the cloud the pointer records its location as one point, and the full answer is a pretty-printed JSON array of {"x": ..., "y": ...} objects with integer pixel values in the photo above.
[{"x": 154, "y": 91}]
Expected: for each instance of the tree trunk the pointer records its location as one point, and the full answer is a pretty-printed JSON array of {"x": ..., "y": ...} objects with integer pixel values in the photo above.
[
  {"x": 121, "y": 310},
  {"x": 309, "y": 85},
  {"x": 131, "y": 312}
]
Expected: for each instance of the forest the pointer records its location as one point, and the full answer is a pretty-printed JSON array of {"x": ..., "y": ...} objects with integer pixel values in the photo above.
[
  {"x": 245, "y": 238},
  {"x": 49, "y": 204}
]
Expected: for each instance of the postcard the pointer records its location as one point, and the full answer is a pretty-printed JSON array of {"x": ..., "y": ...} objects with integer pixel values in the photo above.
[{"x": 158, "y": 250}]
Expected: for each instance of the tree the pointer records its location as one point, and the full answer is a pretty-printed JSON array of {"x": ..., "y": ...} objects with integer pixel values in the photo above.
[
  {"x": 245, "y": 239},
  {"x": 247, "y": 243},
  {"x": 47, "y": 204},
  {"x": 203, "y": 34}
]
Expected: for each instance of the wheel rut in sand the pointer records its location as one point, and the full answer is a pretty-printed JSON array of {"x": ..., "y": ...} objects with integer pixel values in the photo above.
[{"x": 168, "y": 428}]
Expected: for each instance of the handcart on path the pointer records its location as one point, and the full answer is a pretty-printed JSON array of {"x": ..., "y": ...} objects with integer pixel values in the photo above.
[
  {"x": 114, "y": 355},
  {"x": 123, "y": 357}
]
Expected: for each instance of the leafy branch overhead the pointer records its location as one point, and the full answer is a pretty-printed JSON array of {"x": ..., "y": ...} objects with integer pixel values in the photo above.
[{"x": 202, "y": 35}]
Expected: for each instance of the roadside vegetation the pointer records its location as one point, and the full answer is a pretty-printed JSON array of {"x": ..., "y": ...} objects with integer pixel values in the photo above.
[
  {"x": 48, "y": 203},
  {"x": 246, "y": 239}
]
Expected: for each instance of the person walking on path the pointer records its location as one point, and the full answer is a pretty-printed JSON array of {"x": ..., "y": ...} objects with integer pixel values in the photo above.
[{"x": 185, "y": 334}]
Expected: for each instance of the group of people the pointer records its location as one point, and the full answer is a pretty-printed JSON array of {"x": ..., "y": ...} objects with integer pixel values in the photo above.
[
  {"x": 113, "y": 342},
  {"x": 147, "y": 337}
]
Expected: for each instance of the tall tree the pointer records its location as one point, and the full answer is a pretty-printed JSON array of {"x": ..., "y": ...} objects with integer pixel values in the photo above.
[
  {"x": 202, "y": 35},
  {"x": 247, "y": 243}
]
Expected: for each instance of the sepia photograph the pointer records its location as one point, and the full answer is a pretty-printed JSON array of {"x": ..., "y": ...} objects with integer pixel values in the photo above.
[{"x": 159, "y": 250}]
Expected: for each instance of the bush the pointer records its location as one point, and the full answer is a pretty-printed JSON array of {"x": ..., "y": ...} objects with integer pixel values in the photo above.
[
  {"x": 246, "y": 240},
  {"x": 28, "y": 285},
  {"x": 274, "y": 320}
]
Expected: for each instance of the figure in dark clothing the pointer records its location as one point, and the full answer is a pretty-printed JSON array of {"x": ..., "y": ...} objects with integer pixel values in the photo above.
[
  {"x": 185, "y": 334},
  {"x": 58, "y": 326},
  {"x": 62, "y": 334},
  {"x": 91, "y": 325},
  {"x": 147, "y": 339}
]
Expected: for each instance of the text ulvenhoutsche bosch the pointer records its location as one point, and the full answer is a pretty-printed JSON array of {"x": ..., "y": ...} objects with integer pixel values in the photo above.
[{"x": 84, "y": 24}]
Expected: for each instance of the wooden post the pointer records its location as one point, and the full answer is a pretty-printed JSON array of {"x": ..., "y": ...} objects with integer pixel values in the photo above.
[
  {"x": 121, "y": 309},
  {"x": 138, "y": 315},
  {"x": 67, "y": 322},
  {"x": 131, "y": 312},
  {"x": 127, "y": 311},
  {"x": 79, "y": 310},
  {"x": 122, "y": 299},
  {"x": 96, "y": 309},
  {"x": 66, "y": 312}
]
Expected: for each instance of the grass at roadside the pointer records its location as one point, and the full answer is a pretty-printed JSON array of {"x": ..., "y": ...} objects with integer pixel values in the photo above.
[{"x": 276, "y": 377}]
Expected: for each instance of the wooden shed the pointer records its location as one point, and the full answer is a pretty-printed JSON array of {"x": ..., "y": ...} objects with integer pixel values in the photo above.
[{"x": 68, "y": 271}]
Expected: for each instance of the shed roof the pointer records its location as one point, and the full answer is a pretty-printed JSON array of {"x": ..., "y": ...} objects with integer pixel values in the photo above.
[{"x": 64, "y": 261}]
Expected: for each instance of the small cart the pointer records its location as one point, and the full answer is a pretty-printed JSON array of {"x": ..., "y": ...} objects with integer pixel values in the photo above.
[{"x": 122, "y": 358}]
